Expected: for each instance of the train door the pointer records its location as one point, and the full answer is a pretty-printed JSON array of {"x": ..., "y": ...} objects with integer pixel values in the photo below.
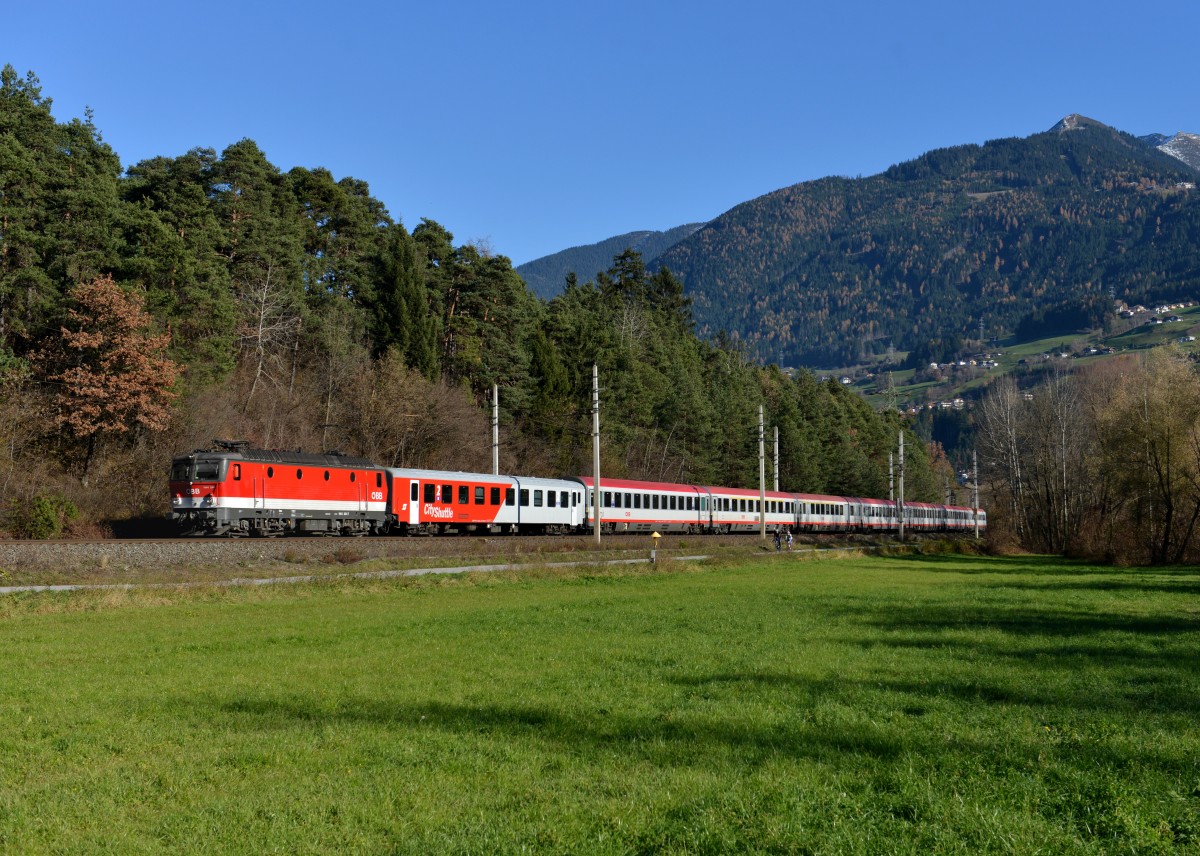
[{"x": 414, "y": 502}]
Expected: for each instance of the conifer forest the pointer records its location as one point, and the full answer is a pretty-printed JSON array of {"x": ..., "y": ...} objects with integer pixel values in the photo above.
[{"x": 147, "y": 309}]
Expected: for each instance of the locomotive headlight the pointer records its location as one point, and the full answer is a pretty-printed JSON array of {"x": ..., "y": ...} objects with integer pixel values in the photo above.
[{"x": 208, "y": 500}]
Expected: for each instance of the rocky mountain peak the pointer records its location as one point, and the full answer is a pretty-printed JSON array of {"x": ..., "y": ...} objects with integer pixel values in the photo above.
[{"x": 1185, "y": 147}]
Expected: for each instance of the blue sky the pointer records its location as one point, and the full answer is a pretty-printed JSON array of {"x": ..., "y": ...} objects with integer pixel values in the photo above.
[{"x": 538, "y": 126}]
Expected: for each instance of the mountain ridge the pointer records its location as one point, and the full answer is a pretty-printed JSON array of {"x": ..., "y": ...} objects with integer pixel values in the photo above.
[
  {"x": 824, "y": 272},
  {"x": 546, "y": 276},
  {"x": 827, "y": 271}
]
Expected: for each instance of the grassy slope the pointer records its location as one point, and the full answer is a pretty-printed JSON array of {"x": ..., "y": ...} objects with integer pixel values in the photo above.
[
  {"x": 1140, "y": 337},
  {"x": 867, "y": 705}
]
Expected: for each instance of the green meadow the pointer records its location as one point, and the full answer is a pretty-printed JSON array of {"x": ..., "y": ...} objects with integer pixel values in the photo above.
[{"x": 768, "y": 704}]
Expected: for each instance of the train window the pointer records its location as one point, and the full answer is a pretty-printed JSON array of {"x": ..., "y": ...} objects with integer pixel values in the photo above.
[
  {"x": 464, "y": 494},
  {"x": 674, "y": 503},
  {"x": 208, "y": 470},
  {"x": 549, "y": 499},
  {"x": 637, "y": 500},
  {"x": 378, "y": 479},
  {"x": 413, "y": 493},
  {"x": 270, "y": 472},
  {"x": 645, "y": 500},
  {"x": 479, "y": 496},
  {"x": 510, "y": 496},
  {"x": 299, "y": 473},
  {"x": 431, "y": 493},
  {"x": 237, "y": 472},
  {"x": 494, "y": 496},
  {"x": 537, "y": 499},
  {"x": 628, "y": 502},
  {"x": 447, "y": 493},
  {"x": 617, "y": 499},
  {"x": 608, "y": 499},
  {"x": 525, "y": 497},
  {"x": 654, "y": 501},
  {"x": 353, "y": 476},
  {"x": 691, "y": 503},
  {"x": 327, "y": 475}
]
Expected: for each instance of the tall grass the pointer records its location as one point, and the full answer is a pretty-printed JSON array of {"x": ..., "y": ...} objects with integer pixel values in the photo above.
[{"x": 936, "y": 704}]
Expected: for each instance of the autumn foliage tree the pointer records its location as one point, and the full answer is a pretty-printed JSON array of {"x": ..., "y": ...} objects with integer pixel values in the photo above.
[{"x": 107, "y": 369}]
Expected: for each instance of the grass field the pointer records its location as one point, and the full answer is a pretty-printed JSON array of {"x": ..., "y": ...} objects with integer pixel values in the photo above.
[{"x": 866, "y": 705}]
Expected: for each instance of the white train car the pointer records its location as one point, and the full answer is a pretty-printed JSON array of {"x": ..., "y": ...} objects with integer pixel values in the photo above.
[{"x": 641, "y": 506}]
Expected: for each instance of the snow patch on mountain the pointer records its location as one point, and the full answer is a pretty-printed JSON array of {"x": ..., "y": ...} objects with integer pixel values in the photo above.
[{"x": 1185, "y": 147}]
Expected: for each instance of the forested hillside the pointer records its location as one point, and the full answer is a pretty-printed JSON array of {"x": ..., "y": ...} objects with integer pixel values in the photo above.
[
  {"x": 829, "y": 271},
  {"x": 547, "y": 276},
  {"x": 145, "y": 311}
]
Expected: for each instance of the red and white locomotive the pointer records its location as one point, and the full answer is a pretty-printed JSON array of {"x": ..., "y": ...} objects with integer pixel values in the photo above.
[{"x": 237, "y": 490}]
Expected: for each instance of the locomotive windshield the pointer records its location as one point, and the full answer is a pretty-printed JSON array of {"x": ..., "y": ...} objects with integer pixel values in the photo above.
[
  {"x": 196, "y": 469},
  {"x": 208, "y": 470}
]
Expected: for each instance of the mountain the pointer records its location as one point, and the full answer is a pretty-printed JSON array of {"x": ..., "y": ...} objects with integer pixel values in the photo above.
[
  {"x": 829, "y": 271},
  {"x": 1155, "y": 140},
  {"x": 1185, "y": 147},
  {"x": 546, "y": 276}
]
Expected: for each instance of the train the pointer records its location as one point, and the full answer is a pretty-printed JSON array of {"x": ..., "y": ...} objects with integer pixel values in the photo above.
[{"x": 236, "y": 490}]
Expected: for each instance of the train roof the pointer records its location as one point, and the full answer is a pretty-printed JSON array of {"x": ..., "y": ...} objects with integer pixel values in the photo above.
[
  {"x": 282, "y": 456},
  {"x": 449, "y": 475},
  {"x": 632, "y": 484}
]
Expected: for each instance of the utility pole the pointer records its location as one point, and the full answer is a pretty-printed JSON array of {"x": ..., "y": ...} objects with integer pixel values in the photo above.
[
  {"x": 495, "y": 429},
  {"x": 891, "y": 476},
  {"x": 900, "y": 497},
  {"x": 596, "y": 451},
  {"x": 775, "y": 469},
  {"x": 762, "y": 479},
  {"x": 975, "y": 490}
]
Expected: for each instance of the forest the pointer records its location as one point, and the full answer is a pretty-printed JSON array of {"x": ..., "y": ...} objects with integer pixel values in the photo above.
[
  {"x": 146, "y": 310},
  {"x": 1102, "y": 463}
]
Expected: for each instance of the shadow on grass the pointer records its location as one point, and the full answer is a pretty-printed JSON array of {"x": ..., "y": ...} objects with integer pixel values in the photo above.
[
  {"x": 1022, "y": 565},
  {"x": 1025, "y": 621},
  {"x": 1076, "y": 658},
  {"x": 1069, "y": 574},
  {"x": 1159, "y": 582},
  {"x": 668, "y": 738}
]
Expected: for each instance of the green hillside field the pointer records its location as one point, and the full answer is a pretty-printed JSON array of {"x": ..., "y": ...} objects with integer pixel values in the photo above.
[
  {"x": 767, "y": 703},
  {"x": 1019, "y": 357}
]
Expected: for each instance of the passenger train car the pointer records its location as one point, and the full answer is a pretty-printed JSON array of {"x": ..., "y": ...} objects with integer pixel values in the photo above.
[{"x": 236, "y": 490}]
